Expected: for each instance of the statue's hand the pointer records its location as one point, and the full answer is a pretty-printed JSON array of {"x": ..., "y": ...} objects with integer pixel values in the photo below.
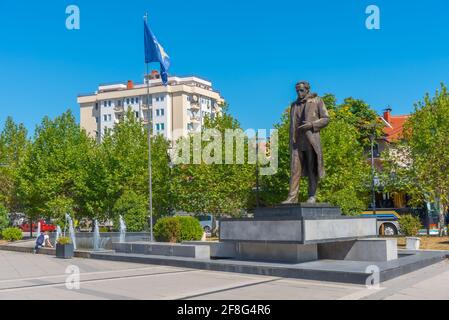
[{"x": 306, "y": 126}]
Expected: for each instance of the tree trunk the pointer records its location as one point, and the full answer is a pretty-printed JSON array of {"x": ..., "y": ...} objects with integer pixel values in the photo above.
[{"x": 442, "y": 221}]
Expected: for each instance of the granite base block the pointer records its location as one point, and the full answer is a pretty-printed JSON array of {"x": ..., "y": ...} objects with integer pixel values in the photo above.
[{"x": 164, "y": 249}]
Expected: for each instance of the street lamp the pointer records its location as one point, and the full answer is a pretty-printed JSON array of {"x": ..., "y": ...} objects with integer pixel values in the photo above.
[
  {"x": 171, "y": 165},
  {"x": 375, "y": 181},
  {"x": 373, "y": 172}
]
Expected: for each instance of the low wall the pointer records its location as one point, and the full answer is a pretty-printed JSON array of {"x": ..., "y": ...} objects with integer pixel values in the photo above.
[{"x": 84, "y": 240}]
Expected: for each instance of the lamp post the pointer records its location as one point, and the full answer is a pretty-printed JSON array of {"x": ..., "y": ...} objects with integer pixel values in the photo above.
[
  {"x": 171, "y": 165},
  {"x": 257, "y": 171},
  {"x": 373, "y": 172}
]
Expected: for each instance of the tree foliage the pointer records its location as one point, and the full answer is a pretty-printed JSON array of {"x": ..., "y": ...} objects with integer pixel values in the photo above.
[
  {"x": 4, "y": 220},
  {"x": 13, "y": 146},
  {"x": 54, "y": 167},
  {"x": 134, "y": 210},
  {"x": 216, "y": 188},
  {"x": 426, "y": 134}
]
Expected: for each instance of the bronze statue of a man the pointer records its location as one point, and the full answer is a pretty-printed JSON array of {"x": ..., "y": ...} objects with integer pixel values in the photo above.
[{"x": 308, "y": 115}]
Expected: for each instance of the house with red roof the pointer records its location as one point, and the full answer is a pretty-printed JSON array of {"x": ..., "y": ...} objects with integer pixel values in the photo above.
[{"x": 394, "y": 126}]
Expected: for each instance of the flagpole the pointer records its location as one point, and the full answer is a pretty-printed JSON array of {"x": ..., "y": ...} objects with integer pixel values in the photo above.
[{"x": 150, "y": 127}]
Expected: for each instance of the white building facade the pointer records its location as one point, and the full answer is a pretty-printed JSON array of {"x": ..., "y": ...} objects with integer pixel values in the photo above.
[{"x": 176, "y": 109}]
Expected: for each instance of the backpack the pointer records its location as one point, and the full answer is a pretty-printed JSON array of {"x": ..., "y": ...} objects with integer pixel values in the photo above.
[{"x": 40, "y": 240}]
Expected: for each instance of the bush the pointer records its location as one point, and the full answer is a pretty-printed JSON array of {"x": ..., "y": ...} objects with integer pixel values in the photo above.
[
  {"x": 64, "y": 240},
  {"x": 191, "y": 229},
  {"x": 12, "y": 234},
  {"x": 4, "y": 220},
  {"x": 410, "y": 225},
  {"x": 167, "y": 229},
  {"x": 178, "y": 229}
]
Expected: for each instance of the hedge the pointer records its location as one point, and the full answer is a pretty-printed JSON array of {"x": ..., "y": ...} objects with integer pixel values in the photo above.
[
  {"x": 12, "y": 234},
  {"x": 178, "y": 229}
]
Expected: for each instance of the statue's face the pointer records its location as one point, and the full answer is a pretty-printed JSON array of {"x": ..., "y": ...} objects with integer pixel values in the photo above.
[{"x": 302, "y": 91}]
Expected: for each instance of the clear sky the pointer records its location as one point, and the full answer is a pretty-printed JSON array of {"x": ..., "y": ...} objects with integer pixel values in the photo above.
[{"x": 252, "y": 51}]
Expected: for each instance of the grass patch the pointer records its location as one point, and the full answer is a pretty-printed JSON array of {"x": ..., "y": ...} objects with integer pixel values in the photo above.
[{"x": 428, "y": 243}]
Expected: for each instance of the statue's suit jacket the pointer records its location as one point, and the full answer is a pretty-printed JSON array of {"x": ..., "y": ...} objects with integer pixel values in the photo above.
[{"x": 317, "y": 114}]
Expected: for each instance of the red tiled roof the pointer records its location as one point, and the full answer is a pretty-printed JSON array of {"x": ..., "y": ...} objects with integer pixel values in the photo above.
[{"x": 394, "y": 132}]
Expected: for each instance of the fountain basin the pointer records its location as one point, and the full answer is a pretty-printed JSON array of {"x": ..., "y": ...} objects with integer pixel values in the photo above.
[{"x": 85, "y": 240}]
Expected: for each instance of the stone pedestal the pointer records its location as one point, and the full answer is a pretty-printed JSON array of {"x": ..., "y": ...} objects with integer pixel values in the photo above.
[
  {"x": 299, "y": 224},
  {"x": 303, "y": 232}
]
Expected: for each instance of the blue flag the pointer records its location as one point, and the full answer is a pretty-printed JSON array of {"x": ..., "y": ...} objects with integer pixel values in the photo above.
[{"x": 155, "y": 53}]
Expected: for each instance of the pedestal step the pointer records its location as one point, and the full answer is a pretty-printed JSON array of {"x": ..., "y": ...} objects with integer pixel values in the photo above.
[
  {"x": 164, "y": 249},
  {"x": 301, "y": 231},
  {"x": 367, "y": 250},
  {"x": 298, "y": 211}
]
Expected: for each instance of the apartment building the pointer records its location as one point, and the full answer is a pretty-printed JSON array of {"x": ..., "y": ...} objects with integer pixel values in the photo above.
[{"x": 175, "y": 110}]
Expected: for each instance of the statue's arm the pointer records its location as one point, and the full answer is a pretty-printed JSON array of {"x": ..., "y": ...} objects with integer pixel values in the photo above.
[{"x": 323, "y": 115}]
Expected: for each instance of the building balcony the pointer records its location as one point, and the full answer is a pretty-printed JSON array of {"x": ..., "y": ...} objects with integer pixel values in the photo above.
[
  {"x": 195, "y": 120},
  {"x": 195, "y": 106},
  {"x": 118, "y": 109}
]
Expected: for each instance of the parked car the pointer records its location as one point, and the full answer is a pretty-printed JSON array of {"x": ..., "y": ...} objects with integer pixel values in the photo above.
[
  {"x": 87, "y": 225},
  {"x": 45, "y": 226},
  {"x": 207, "y": 222},
  {"x": 17, "y": 218}
]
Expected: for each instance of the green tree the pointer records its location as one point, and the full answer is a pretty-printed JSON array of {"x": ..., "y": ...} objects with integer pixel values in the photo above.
[
  {"x": 360, "y": 115},
  {"x": 53, "y": 168},
  {"x": 347, "y": 171},
  {"x": 13, "y": 146},
  {"x": 122, "y": 165},
  {"x": 426, "y": 134},
  {"x": 134, "y": 210},
  {"x": 4, "y": 220},
  {"x": 215, "y": 188}
]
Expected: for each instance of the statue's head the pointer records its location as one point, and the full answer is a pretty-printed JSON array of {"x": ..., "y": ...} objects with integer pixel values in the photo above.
[{"x": 302, "y": 89}]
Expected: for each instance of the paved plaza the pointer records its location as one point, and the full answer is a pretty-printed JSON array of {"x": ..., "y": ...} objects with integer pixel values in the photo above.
[{"x": 42, "y": 277}]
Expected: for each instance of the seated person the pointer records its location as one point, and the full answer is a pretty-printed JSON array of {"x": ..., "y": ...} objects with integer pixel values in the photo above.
[{"x": 43, "y": 241}]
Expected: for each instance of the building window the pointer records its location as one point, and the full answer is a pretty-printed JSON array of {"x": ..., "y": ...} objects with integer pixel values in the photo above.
[
  {"x": 127, "y": 101},
  {"x": 162, "y": 126},
  {"x": 97, "y": 119},
  {"x": 119, "y": 103},
  {"x": 105, "y": 117},
  {"x": 137, "y": 100},
  {"x": 109, "y": 103},
  {"x": 162, "y": 112},
  {"x": 105, "y": 104},
  {"x": 162, "y": 98},
  {"x": 96, "y": 105},
  {"x": 148, "y": 99},
  {"x": 132, "y": 100},
  {"x": 157, "y": 127},
  {"x": 158, "y": 113},
  {"x": 137, "y": 114},
  {"x": 109, "y": 117}
]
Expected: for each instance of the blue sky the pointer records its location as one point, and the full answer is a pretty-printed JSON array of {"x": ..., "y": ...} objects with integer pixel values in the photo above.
[{"x": 252, "y": 51}]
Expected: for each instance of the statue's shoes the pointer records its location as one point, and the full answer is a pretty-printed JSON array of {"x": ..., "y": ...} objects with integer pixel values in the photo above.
[
  {"x": 290, "y": 201},
  {"x": 312, "y": 200}
]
